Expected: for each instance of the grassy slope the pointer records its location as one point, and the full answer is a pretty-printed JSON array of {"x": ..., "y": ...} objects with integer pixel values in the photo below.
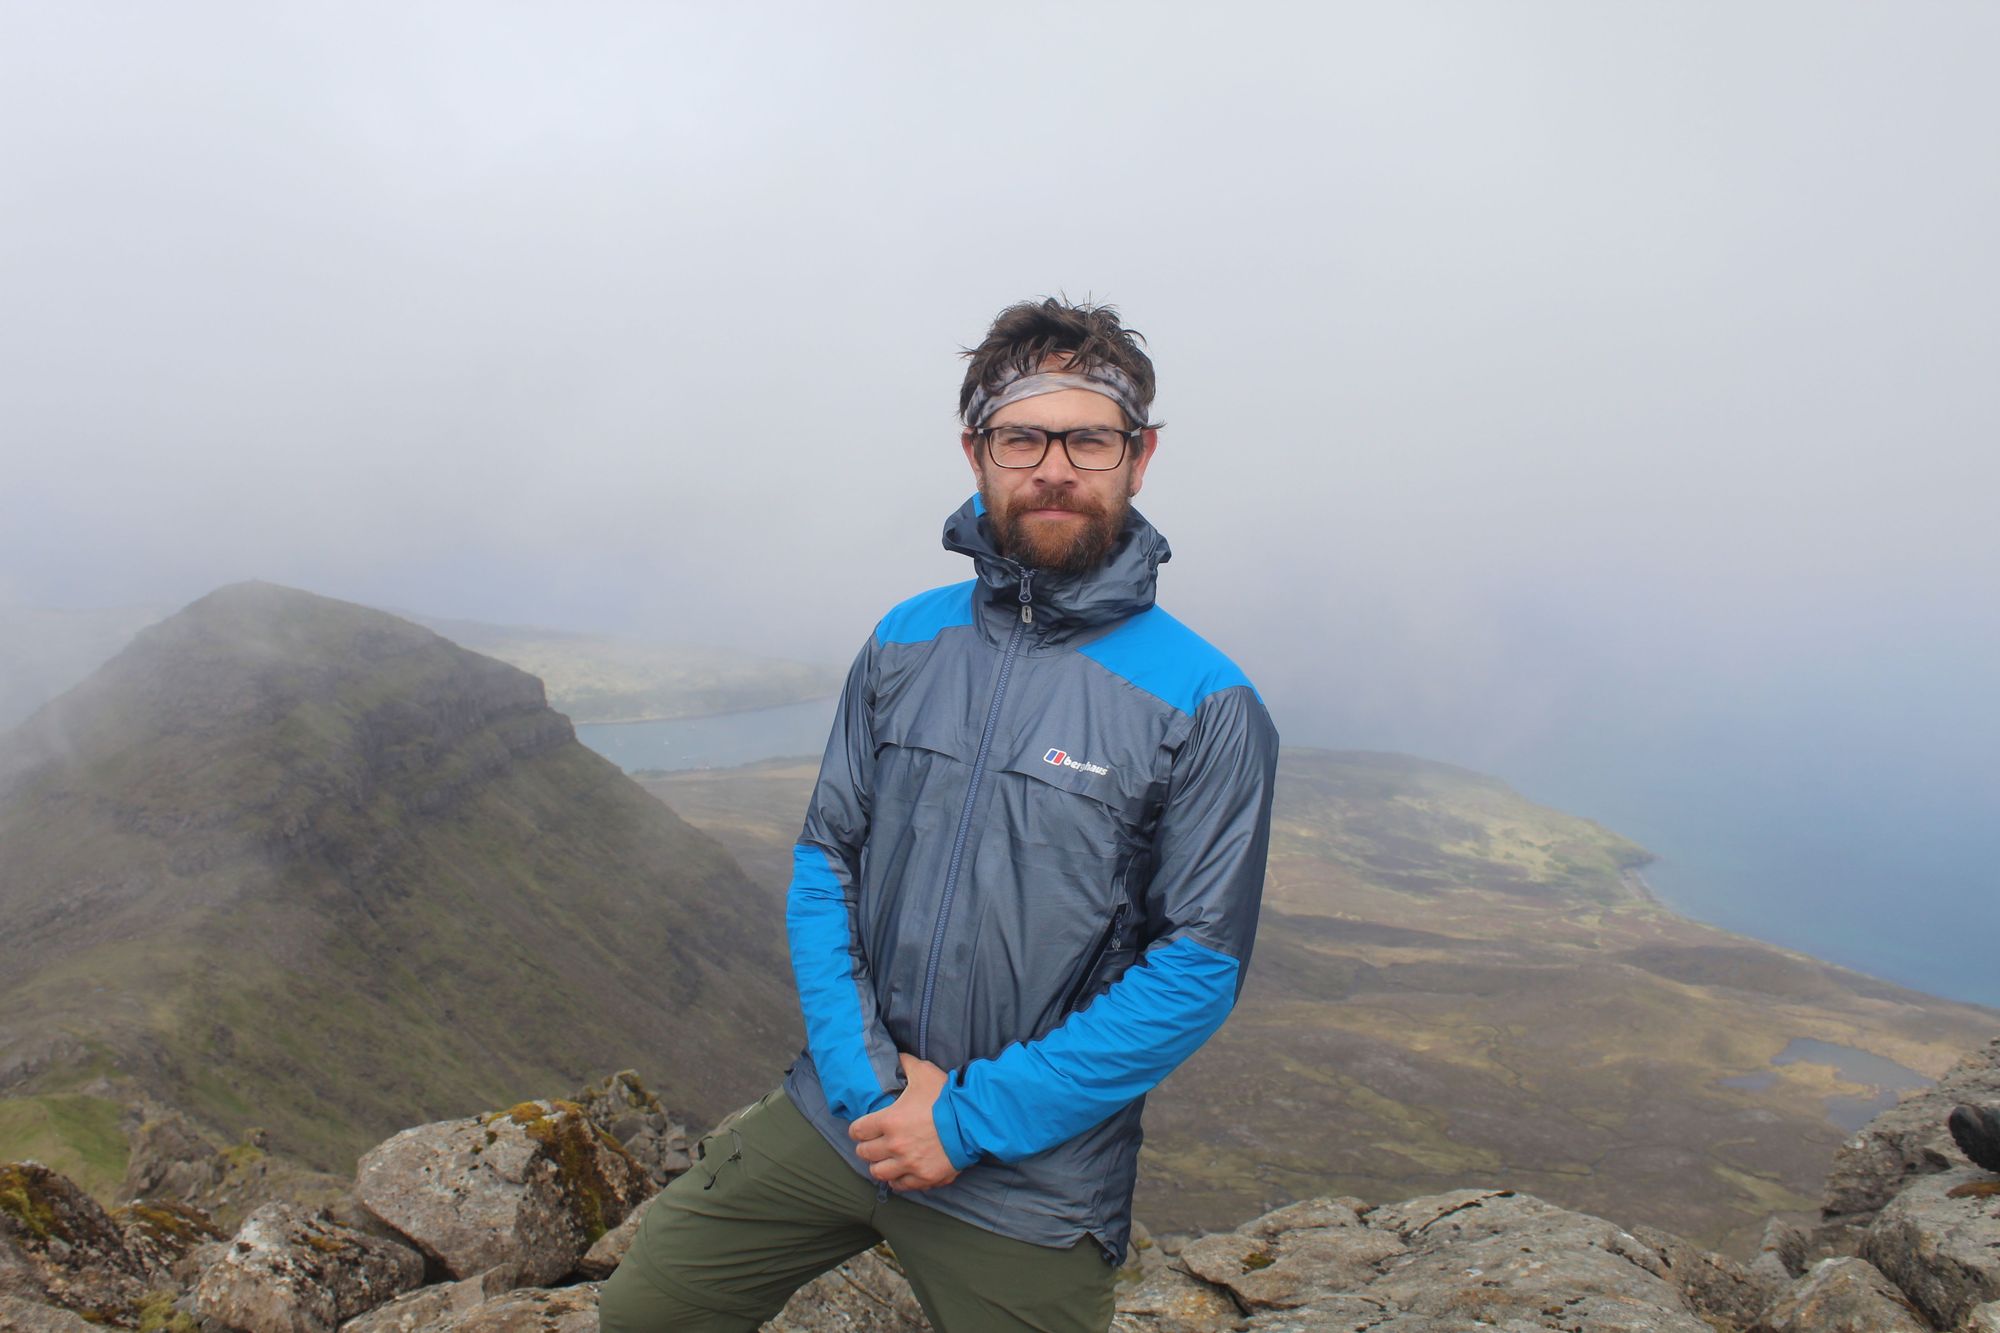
[
  {"x": 275, "y": 876},
  {"x": 1454, "y": 986}
]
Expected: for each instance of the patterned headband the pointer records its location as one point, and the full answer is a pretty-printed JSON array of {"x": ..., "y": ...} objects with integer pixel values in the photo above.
[{"x": 1013, "y": 386}]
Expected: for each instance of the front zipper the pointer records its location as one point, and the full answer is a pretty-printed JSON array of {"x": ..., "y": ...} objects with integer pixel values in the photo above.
[
  {"x": 965, "y": 814},
  {"x": 1111, "y": 939}
]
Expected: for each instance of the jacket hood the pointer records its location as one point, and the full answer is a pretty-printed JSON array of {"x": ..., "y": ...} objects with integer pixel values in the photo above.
[{"x": 1064, "y": 603}]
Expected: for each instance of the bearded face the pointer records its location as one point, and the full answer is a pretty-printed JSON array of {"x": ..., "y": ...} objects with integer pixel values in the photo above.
[
  {"x": 1056, "y": 530},
  {"x": 1055, "y": 515}
]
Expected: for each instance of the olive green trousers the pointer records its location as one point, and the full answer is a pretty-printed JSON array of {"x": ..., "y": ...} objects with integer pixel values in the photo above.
[{"x": 770, "y": 1204}]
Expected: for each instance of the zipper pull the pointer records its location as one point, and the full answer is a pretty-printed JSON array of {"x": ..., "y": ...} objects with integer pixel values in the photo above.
[
  {"x": 1117, "y": 927},
  {"x": 1027, "y": 609}
]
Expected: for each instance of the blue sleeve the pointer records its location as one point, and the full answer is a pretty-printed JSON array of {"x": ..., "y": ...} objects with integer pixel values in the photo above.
[
  {"x": 1213, "y": 838},
  {"x": 851, "y": 1051}
]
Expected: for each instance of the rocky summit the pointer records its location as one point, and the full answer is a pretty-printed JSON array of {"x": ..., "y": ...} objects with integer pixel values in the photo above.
[{"x": 506, "y": 1221}]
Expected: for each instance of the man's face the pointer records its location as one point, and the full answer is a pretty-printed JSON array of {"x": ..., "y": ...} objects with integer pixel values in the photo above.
[{"x": 1056, "y": 516}]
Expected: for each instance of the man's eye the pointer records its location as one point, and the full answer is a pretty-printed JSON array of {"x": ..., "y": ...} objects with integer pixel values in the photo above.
[
  {"x": 1015, "y": 439},
  {"x": 1093, "y": 440}
]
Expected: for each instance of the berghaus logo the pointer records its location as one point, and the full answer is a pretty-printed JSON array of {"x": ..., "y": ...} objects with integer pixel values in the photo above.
[{"x": 1061, "y": 759}]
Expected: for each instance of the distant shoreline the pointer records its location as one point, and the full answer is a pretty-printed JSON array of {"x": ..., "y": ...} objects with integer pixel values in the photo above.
[
  {"x": 696, "y": 717},
  {"x": 1635, "y": 880}
]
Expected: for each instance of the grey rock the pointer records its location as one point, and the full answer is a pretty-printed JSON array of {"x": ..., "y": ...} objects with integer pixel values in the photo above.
[
  {"x": 1939, "y": 1240},
  {"x": 19, "y": 1316},
  {"x": 1910, "y": 1139},
  {"x": 1781, "y": 1256},
  {"x": 1983, "y": 1319},
  {"x": 1171, "y": 1301},
  {"x": 608, "y": 1250},
  {"x": 624, "y": 1108},
  {"x": 867, "y": 1294},
  {"x": 533, "y": 1187},
  {"x": 1511, "y": 1260},
  {"x": 59, "y": 1247},
  {"x": 531, "y": 1310},
  {"x": 1843, "y": 1296},
  {"x": 289, "y": 1270},
  {"x": 430, "y": 1307},
  {"x": 169, "y": 1158},
  {"x": 1284, "y": 1269},
  {"x": 1447, "y": 1263},
  {"x": 1714, "y": 1285},
  {"x": 159, "y": 1233}
]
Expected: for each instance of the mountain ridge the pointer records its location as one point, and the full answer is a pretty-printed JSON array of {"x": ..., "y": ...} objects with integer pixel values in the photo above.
[{"x": 295, "y": 863}]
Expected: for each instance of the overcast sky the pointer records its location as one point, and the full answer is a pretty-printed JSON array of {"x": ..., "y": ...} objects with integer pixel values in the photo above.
[{"x": 1540, "y": 378}]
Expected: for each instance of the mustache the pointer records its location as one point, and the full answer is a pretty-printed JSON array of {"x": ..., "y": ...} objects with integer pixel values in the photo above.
[{"x": 1065, "y": 500}]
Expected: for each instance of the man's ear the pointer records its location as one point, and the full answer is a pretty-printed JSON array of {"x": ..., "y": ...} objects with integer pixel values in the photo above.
[
  {"x": 1149, "y": 440},
  {"x": 970, "y": 443}
]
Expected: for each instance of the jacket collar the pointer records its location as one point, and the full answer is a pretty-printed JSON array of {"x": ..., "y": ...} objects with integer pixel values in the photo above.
[{"x": 1064, "y": 604}]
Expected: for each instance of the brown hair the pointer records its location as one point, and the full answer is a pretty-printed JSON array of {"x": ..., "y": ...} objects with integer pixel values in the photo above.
[{"x": 1026, "y": 334}]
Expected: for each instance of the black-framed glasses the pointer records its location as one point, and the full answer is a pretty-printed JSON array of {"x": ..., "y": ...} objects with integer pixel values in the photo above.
[{"x": 1089, "y": 448}]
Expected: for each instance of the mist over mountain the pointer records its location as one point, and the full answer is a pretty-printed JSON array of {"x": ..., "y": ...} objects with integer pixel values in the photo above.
[{"x": 290, "y": 862}]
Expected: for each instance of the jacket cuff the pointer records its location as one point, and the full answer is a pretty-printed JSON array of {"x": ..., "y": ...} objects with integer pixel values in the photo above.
[{"x": 944, "y": 1118}]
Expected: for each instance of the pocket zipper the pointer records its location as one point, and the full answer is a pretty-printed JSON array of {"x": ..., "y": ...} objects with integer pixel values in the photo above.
[{"x": 1111, "y": 939}]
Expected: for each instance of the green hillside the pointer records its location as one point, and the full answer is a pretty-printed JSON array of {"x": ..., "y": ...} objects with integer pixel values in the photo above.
[{"x": 294, "y": 863}]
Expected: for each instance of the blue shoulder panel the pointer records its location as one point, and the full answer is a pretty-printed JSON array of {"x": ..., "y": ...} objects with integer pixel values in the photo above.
[
  {"x": 1166, "y": 659},
  {"x": 919, "y": 619}
]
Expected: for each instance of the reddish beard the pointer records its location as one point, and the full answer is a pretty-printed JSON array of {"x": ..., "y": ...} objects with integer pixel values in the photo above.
[{"x": 1055, "y": 544}]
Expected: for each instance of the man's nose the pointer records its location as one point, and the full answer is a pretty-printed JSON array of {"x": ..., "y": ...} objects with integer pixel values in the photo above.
[{"x": 1055, "y": 467}]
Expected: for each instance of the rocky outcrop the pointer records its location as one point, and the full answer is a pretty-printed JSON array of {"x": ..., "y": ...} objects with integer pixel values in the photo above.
[
  {"x": 1843, "y": 1296},
  {"x": 1939, "y": 1241},
  {"x": 1910, "y": 1139},
  {"x": 624, "y": 1108},
  {"x": 516, "y": 1215},
  {"x": 292, "y": 1271},
  {"x": 58, "y": 1246},
  {"x": 531, "y": 1188}
]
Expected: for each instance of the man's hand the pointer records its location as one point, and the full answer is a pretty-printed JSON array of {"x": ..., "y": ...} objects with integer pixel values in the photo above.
[{"x": 900, "y": 1142}]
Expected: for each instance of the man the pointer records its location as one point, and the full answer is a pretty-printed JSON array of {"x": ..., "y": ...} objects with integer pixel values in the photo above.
[{"x": 1026, "y": 890}]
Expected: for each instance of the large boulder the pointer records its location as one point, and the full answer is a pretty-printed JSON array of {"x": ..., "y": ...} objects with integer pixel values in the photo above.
[
  {"x": 1441, "y": 1264},
  {"x": 1512, "y": 1260},
  {"x": 1939, "y": 1240},
  {"x": 1843, "y": 1296},
  {"x": 531, "y": 1187},
  {"x": 288, "y": 1270},
  {"x": 58, "y": 1246}
]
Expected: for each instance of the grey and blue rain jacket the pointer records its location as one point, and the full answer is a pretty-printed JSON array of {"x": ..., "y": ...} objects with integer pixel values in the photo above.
[{"x": 1033, "y": 857}]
